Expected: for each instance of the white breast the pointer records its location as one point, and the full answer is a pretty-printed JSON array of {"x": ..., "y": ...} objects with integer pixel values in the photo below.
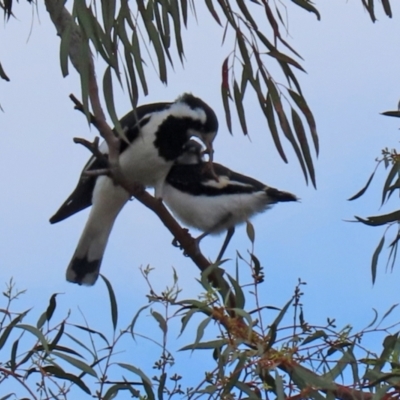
[{"x": 213, "y": 213}]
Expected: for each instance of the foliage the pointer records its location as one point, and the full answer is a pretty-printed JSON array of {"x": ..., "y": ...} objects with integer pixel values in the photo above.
[
  {"x": 252, "y": 355},
  {"x": 390, "y": 159},
  {"x": 122, "y": 33}
]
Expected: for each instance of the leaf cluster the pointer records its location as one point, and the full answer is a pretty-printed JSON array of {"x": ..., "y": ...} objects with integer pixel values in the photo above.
[{"x": 254, "y": 354}]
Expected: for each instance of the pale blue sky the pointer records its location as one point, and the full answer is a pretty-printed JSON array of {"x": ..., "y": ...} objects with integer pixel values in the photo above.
[{"x": 352, "y": 75}]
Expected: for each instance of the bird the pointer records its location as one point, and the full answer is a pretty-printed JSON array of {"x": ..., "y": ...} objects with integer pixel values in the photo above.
[
  {"x": 155, "y": 137},
  {"x": 217, "y": 201}
]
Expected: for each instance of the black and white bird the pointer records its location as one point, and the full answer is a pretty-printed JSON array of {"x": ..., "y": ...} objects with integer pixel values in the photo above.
[
  {"x": 156, "y": 135},
  {"x": 200, "y": 201}
]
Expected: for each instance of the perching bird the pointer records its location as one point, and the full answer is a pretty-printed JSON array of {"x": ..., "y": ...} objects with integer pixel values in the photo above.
[
  {"x": 198, "y": 200},
  {"x": 157, "y": 134}
]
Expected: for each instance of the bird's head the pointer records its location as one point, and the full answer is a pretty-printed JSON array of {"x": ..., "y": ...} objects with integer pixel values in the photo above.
[
  {"x": 205, "y": 120},
  {"x": 192, "y": 153}
]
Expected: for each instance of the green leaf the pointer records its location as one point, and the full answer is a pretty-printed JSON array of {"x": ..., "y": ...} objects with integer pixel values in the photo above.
[
  {"x": 375, "y": 258},
  {"x": 108, "y": 12},
  {"x": 273, "y": 92},
  {"x": 7, "y": 396},
  {"x": 91, "y": 331},
  {"x": 113, "y": 301},
  {"x": 316, "y": 335},
  {"x": 301, "y": 137},
  {"x": 388, "y": 312},
  {"x": 339, "y": 367},
  {"x": 389, "y": 344},
  {"x": 243, "y": 49},
  {"x": 373, "y": 320},
  {"x": 87, "y": 369},
  {"x": 109, "y": 98},
  {"x": 247, "y": 14},
  {"x": 235, "y": 375},
  {"x": 212, "y": 344},
  {"x": 114, "y": 389},
  {"x": 61, "y": 374},
  {"x": 139, "y": 62},
  {"x": 305, "y": 378},
  {"x": 239, "y": 107},
  {"x": 132, "y": 325},
  {"x": 280, "y": 392},
  {"x": 285, "y": 59},
  {"x": 3, "y": 74},
  {"x": 212, "y": 11},
  {"x": 244, "y": 387},
  {"x": 306, "y": 5},
  {"x": 363, "y": 190},
  {"x": 136, "y": 371},
  {"x": 303, "y": 106},
  {"x": 36, "y": 332},
  {"x": 161, "y": 321},
  {"x": 391, "y": 175},
  {"x": 269, "y": 113},
  {"x": 200, "y": 330},
  {"x": 14, "y": 350},
  {"x": 392, "y": 113},
  {"x": 240, "y": 299},
  {"x": 174, "y": 11},
  {"x": 379, "y": 220},
  {"x": 225, "y": 93},
  {"x": 41, "y": 320},
  {"x": 387, "y": 8},
  {"x": 64, "y": 49},
  {"x": 250, "y": 231}
]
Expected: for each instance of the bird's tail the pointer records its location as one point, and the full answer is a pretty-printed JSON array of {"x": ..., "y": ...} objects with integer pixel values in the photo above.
[
  {"x": 277, "y": 196},
  {"x": 84, "y": 267}
]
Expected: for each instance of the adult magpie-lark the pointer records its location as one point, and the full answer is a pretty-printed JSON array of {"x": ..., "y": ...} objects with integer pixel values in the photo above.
[
  {"x": 156, "y": 134},
  {"x": 200, "y": 201}
]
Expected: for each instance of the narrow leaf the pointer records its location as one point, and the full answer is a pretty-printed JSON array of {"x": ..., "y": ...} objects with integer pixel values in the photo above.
[
  {"x": 375, "y": 258},
  {"x": 269, "y": 113},
  {"x": 387, "y": 313},
  {"x": 316, "y": 335},
  {"x": 225, "y": 94},
  {"x": 306, "y": 5},
  {"x": 161, "y": 321},
  {"x": 87, "y": 369},
  {"x": 36, "y": 332},
  {"x": 363, "y": 190},
  {"x": 378, "y": 220},
  {"x": 303, "y": 106},
  {"x": 61, "y": 374},
  {"x": 240, "y": 299},
  {"x": 136, "y": 371},
  {"x": 301, "y": 137},
  {"x": 239, "y": 107},
  {"x": 3, "y": 74},
  {"x": 212, "y": 344},
  {"x": 387, "y": 8},
  {"x": 132, "y": 325},
  {"x": 392, "y": 114},
  {"x": 113, "y": 301}
]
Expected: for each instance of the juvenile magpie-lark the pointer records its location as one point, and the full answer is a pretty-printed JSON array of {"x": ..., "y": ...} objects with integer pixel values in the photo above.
[
  {"x": 200, "y": 201},
  {"x": 157, "y": 134}
]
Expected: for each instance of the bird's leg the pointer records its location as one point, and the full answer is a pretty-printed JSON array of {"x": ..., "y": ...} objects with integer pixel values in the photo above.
[{"x": 228, "y": 237}]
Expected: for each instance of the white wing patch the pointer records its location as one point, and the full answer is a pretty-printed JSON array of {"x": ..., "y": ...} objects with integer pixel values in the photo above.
[{"x": 223, "y": 182}]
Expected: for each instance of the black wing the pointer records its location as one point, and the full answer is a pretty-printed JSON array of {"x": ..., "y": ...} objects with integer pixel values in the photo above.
[
  {"x": 81, "y": 197},
  {"x": 197, "y": 179}
]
